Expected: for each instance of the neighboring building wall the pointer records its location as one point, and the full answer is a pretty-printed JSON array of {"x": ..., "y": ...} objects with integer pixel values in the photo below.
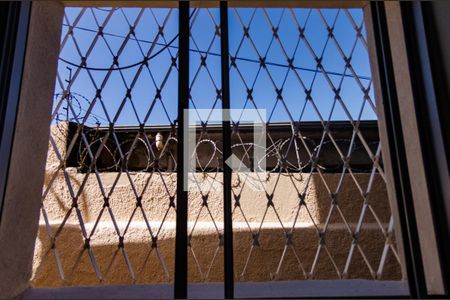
[{"x": 155, "y": 202}]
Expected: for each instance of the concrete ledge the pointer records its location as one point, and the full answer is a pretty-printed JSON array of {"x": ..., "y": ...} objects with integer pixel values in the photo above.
[
  {"x": 282, "y": 289},
  {"x": 262, "y": 265}
]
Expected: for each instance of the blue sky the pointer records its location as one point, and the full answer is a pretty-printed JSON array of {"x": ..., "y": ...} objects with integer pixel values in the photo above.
[{"x": 203, "y": 89}]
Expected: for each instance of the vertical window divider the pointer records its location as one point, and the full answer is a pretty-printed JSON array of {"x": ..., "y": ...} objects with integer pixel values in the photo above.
[
  {"x": 413, "y": 257},
  {"x": 181, "y": 239},
  {"x": 226, "y": 138}
]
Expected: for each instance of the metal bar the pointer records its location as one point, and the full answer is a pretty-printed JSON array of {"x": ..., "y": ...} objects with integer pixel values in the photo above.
[
  {"x": 338, "y": 126},
  {"x": 227, "y": 205},
  {"x": 181, "y": 240},
  {"x": 430, "y": 130},
  {"x": 402, "y": 186},
  {"x": 13, "y": 44}
]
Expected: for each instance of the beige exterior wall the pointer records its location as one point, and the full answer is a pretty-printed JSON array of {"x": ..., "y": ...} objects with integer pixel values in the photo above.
[{"x": 25, "y": 177}]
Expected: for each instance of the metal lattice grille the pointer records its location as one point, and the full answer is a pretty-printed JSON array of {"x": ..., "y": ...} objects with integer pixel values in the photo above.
[
  {"x": 120, "y": 62},
  {"x": 288, "y": 51},
  {"x": 205, "y": 222},
  {"x": 108, "y": 204}
]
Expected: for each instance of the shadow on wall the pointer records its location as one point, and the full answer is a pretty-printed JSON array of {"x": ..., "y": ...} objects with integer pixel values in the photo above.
[
  {"x": 350, "y": 198},
  {"x": 60, "y": 194},
  {"x": 79, "y": 271},
  {"x": 264, "y": 259}
]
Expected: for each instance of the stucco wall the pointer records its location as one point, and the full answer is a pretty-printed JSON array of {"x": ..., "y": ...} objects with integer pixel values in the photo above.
[{"x": 155, "y": 202}]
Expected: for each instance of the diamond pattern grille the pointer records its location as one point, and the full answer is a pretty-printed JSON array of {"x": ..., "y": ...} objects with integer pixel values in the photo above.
[
  {"x": 119, "y": 67},
  {"x": 103, "y": 88},
  {"x": 306, "y": 57},
  {"x": 206, "y": 204}
]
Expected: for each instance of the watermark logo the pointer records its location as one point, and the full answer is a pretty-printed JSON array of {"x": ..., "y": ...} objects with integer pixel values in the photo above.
[{"x": 203, "y": 156}]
